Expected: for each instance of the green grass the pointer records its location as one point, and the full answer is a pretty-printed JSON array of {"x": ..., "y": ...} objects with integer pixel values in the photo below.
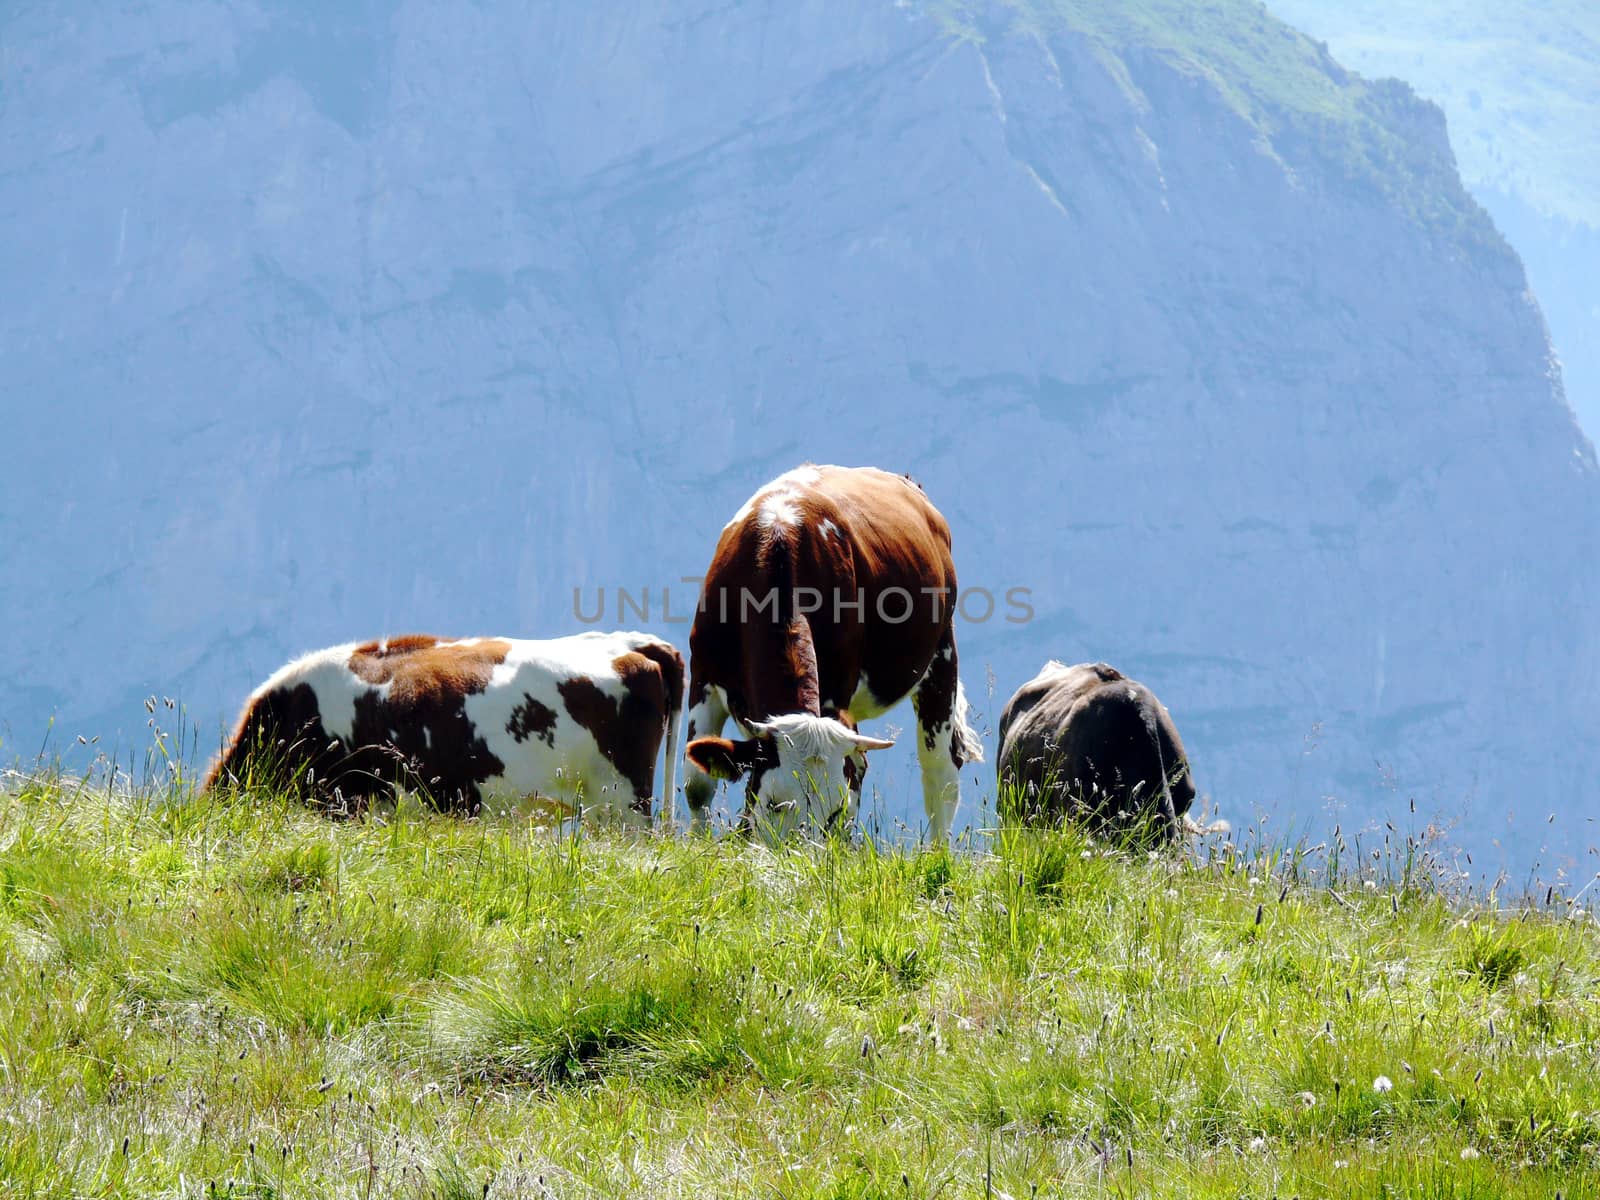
[
  {"x": 237, "y": 997},
  {"x": 1362, "y": 133}
]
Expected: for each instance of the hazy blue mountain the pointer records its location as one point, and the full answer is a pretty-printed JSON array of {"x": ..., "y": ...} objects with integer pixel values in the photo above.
[
  {"x": 328, "y": 321},
  {"x": 1520, "y": 84}
]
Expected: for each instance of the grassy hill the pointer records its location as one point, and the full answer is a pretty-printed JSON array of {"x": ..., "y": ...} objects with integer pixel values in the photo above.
[{"x": 237, "y": 997}]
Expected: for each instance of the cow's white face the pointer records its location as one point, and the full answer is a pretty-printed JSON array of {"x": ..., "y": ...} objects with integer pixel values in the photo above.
[{"x": 795, "y": 771}]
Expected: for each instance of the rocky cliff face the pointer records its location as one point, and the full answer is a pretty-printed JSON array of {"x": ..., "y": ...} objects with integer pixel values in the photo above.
[
  {"x": 336, "y": 325},
  {"x": 1518, "y": 83}
]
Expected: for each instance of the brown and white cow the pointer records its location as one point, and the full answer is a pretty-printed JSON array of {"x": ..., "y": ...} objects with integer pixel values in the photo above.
[
  {"x": 575, "y": 722},
  {"x": 1087, "y": 743},
  {"x": 829, "y": 599}
]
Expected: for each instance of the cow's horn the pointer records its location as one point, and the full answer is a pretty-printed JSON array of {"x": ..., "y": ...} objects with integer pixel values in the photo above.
[{"x": 869, "y": 743}]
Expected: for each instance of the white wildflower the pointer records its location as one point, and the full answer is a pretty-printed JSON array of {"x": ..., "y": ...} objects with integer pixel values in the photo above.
[{"x": 1383, "y": 1084}]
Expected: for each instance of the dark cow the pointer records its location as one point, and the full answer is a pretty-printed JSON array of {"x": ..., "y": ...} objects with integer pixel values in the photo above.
[
  {"x": 575, "y": 722},
  {"x": 829, "y": 599},
  {"x": 1088, "y": 743}
]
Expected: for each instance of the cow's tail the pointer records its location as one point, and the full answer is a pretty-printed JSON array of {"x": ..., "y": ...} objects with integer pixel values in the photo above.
[
  {"x": 967, "y": 742},
  {"x": 1168, "y": 812},
  {"x": 671, "y": 664},
  {"x": 669, "y": 768}
]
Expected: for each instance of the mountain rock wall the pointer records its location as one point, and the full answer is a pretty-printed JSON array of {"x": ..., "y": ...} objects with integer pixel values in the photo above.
[{"x": 338, "y": 321}]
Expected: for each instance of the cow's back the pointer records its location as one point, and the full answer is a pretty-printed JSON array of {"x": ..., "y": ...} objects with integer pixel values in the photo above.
[
  {"x": 581, "y": 719},
  {"x": 896, "y": 534},
  {"x": 1086, "y": 741},
  {"x": 866, "y": 542}
]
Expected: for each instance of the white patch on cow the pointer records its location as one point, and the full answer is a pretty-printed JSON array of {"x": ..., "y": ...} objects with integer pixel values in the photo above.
[
  {"x": 800, "y": 477},
  {"x": 937, "y": 744},
  {"x": 570, "y": 768},
  {"x": 778, "y": 508},
  {"x": 775, "y": 499},
  {"x": 971, "y": 743},
  {"x": 327, "y": 673},
  {"x": 1051, "y": 670},
  {"x": 864, "y": 705},
  {"x": 829, "y": 529}
]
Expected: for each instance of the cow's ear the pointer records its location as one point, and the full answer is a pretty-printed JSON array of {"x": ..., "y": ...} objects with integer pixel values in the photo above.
[{"x": 718, "y": 757}]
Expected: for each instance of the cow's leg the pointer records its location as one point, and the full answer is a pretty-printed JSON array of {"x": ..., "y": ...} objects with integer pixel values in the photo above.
[
  {"x": 708, "y": 713},
  {"x": 944, "y": 742}
]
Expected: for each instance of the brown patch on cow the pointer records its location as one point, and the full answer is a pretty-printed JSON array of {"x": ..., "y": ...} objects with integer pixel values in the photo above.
[
  {"x": 855, "y": 772},
  {"x": 724, "y": 758},
  {"x": 406, "y": 643},
  {"x": 416, "y": 732},
  {"x": 532, "y": 718},
  {"x": 417, "y": 664},
  {"x": 652, "y": 681},
  {"x": 668, "y": 662},
  {"x": 282, "y": 748}
]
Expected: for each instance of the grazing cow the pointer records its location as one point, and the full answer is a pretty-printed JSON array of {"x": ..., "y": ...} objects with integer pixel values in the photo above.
[
  {"x": 1089, "y": 743},
  {"x": 829, "y": 599},
  {"x": 574, "y": 721}
]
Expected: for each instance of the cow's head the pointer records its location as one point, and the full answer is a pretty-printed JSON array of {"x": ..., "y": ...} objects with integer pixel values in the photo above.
[{"x": 801, "y": 772}]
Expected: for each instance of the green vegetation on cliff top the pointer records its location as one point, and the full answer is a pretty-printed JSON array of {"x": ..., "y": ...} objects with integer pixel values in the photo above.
[
  {"x": 1520, "y": 81},
  {"x": 1373, "y": 136},
  {"x": 236, "y": 997}
]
